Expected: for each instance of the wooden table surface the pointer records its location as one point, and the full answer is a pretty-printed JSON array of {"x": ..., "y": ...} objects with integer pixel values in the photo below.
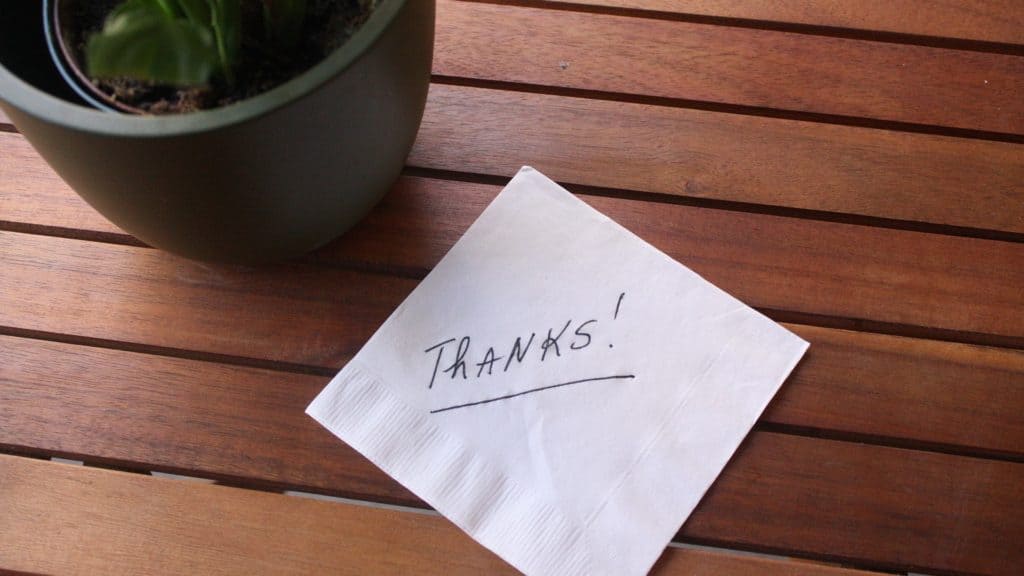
[{"x": 855, "y": 170}]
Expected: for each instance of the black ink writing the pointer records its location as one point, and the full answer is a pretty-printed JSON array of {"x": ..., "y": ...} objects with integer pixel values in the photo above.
[
  {"x": 531, "y": 391},
  {"x": 489, "y": 360},
  {"x": 518, "y": 352},
  {"x": 460, "y": 362},
  {"x": 550, "y": 342},
  {"x": 454, "y": 360},
  {"x": 579, "y": 332},
  {"x": 437, "y": 362}
]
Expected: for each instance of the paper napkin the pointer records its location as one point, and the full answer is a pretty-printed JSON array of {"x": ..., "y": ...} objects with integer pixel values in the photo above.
[{"x": 558, "y": 388}]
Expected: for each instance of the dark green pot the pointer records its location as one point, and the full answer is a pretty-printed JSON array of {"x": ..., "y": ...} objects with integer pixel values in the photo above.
[{"x": 270, "y": 177}]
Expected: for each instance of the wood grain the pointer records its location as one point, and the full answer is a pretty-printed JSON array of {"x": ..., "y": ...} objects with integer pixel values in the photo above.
[
  {"x": 865, "y": 504},
  {"x": 285, "y": 313},
  {"x": 950, "y": 510},
  {"x": 918, "y": 391},
  {"x": 924, "y": 512},
  {"x": 193, "y": 417},
  {"x": 104, "y": 522},
  {"x": 867, "y": 282},
  {"x": 772, "y": 262},
  {"x": 89, "y": 521},
  {"x": 691, "y": 562},
  {"x": 693, "y": 154},
  {"x": 985, "y": 20},
  {"x": 120, "y": 293},
  {"x": 748, "y": 67},
  {"x": 177, "y": 415},
  {"x": 715, "y": 156},
  {"x": 32, "y": 194}
]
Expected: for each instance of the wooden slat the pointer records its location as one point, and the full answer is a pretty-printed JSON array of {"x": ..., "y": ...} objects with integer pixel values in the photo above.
[
  {"x": 698, "y": 154},
  {"x": 911, "y": 510},
  {"x": 768, "y": 261},
  {"x": 920, "y": 391},
  {"x": 760, "y": 68},
  {"x": 866, "y": 504},
  {"x": 285, "y": 313},
  {"x": 891, "y": 276},
  {"x": 104, "y": 522},
  {"x": 879, "y": 506},
  {"x": 61, "y": 519},
  {"x": 32, "y": 194},
  {"x": 690, "y": 562},
  {"x": 700, "y": 62},
  {"x": 984, "y": 20},
  {"x": 690, "y": 153},
  {"x": 193, "y": 417},
  {"x": 176, "y": 415}
]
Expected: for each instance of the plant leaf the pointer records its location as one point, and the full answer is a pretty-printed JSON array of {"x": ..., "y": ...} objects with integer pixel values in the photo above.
[
  {"x": 170, "y": 8},
  {"x": 197, "y": 11},
  {"x": 226, "y": 20},
  {"x": 153, "y": 6},
  {"x": 139, "y": 40}
]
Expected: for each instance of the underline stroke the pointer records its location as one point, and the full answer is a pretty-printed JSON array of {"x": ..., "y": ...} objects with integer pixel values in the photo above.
[{"x": 531, "y": 391}]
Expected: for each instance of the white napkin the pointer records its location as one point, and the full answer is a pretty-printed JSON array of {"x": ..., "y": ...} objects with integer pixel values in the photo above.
[{"x": 558, "y": 388}]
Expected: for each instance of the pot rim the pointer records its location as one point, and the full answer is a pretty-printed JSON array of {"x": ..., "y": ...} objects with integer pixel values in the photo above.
[{"x": 49, "y": 108}]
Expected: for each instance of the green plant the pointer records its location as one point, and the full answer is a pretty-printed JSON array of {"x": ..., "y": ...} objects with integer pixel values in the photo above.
[{"x": 184, "y": 42}]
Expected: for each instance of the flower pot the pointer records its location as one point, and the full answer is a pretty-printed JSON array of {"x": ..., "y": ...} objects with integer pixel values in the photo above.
[{"x": 267, "y": 178}]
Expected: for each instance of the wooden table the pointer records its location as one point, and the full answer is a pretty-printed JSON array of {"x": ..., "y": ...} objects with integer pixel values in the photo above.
[{"x": 855, "y": 170}]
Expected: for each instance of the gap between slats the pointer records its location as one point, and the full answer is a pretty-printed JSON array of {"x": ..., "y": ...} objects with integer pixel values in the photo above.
[
  {"x": 315, "y": 326},
  {"x": 148, "y": 264},
  {"x": 371, "y": 248},
  {"x": 341, "y": 538},
  {"x": 657, "y": 198},
  {"x": 729, "y": 108},
  {"x": 737, "y": 109},
  {"x": 783, "y": 167},
  {"x": 754, "y": 68},
  {"x": 979, "y": 36},
  {"x": 764, "y": 501},
  {"x": 790, "y": 413},
  {"x": 413, "y": 505},
  {"x": 455, "y": 63}
]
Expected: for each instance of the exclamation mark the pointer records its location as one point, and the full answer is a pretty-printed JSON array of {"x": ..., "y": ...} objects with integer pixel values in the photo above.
[{"x": 616, "y": 315}]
